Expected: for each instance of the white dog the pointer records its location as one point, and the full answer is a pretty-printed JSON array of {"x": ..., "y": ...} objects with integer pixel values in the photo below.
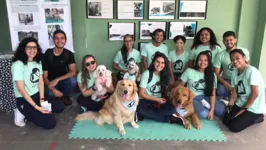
[
  {"x": 133, "y": 70},
  {"x": 102, "y": 77}
]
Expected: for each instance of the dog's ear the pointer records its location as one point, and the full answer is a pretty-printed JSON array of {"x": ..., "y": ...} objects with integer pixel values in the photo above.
[
  {"x": 191, "y": 95},
  {"x": 117, "y": 86},
  {"x": 95, "y": 73},
  {"x": 108, "y": 73},
  {"x": 135, "y": 88}
]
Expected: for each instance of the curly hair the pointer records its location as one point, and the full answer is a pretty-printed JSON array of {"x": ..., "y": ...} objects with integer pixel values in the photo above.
[
  {"x": 208, "y": 73},
  {"x": 164, "y": 74},
  {"x": 85, "y": 74},
  {"x": 213, "y": 40},
  {"x": 21, "y": 55},
  {"x": 124, "y": 50}
]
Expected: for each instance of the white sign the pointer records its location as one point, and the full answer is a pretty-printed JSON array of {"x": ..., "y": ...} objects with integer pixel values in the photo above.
[
  {"x": 147, "y": 28},
  {"x": 100, "y": 9},
  {"x": 117, "y": 31},
  {"x": 192, "y": 9},
  {"x": 162, "y": 9},
  {"x": 187, "y": 29},
  {"x": 130, "y": 9},
  {"x": 39, "y": 19}
]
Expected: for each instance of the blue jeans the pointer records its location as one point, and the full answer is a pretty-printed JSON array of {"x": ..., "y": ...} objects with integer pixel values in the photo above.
[
  {"x": 67, "y": 87},
  {"x": 148, "y": 110},
  {"x": 203, "y": 112},
  {"x": 221, "y": 90}
]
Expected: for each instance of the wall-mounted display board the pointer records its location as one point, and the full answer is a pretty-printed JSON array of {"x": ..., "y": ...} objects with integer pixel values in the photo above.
[
  {"x": 146, "y": 28},
  {"x": 103, "y": 9},
  {"x": 39, "y": 19},
  {"x": 187, "y": 29},
  {"x": 130, "y": 9},
  {"x": 117, "y": 31},
  {"x": 192, "y": 9},
  {"x": 162, "y": 9}
]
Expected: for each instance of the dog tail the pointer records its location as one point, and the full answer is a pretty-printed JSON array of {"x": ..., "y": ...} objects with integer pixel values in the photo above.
[{"x": 87, "y": 116}]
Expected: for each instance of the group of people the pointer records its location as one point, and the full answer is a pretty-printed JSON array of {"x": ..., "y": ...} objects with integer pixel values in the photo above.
[{"x": 223, "y": 82}]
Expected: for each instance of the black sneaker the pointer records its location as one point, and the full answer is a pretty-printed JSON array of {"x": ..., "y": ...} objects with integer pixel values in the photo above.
[
  {"x": 177, "y": 120},
  {"x": 260, "y": 119},
  {"x": 138, "y": 117}
]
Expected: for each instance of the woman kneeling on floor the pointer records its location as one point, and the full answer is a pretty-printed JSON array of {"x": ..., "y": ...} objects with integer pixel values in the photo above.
[
  {"x": 29, "y": 87},
  {"x": 247, "y": 101}
]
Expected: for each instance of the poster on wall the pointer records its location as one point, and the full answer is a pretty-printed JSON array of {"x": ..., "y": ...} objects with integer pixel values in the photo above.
[
  {"x": 130, "y": 9},
  {"x": 117, "y": 31},
  {"x": 39, "y": 19},
  {"x": 162, "y": 9},
  {"x": 100, "y": 9},
  {"x": 187, "y": 29},
  {"x": 146, "y": 28},
  {"x": 192, "y": 9}
]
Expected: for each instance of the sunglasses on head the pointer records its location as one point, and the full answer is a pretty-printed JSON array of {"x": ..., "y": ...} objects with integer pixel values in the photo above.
[{"x": 89, "y": 63}]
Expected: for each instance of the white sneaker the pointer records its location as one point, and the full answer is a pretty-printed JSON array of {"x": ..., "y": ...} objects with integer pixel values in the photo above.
[
  {"x": 224, "y": 101},
  {"x": 19, "y": 118}
]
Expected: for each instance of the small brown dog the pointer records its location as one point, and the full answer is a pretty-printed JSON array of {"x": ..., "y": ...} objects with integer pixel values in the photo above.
[
  {"x": 182, "y": 98},
  {"x": 119, "y": 108}
]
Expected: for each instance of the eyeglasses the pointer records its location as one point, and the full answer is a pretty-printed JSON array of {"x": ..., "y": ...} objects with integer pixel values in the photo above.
[
  {"x": 128, "y": 41},
  {"x": 89, "y": 63},
  {"x": 31, "y": 47}
]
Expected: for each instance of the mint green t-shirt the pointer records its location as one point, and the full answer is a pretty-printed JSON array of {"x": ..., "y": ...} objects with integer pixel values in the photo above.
[
  {"x": 223, "y": 61},
  {"x": 135, "y": 54},
  {"x": 29, "y": 73},
  {"x": 90, "y": 81},
  {"x": 178, "y": 62},
  {"x": 149, "y": 50},
  {"x": 242, "y": 83},
  {"x": 154, "y": 87},
  {"x": 195, "y": 52},
  {"x": 195, "y": 81}
]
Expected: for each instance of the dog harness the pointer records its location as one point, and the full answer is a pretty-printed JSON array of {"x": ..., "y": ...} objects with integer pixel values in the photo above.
[
  {"x": 132, "y": 105},
  {"x": 182, "y": 112}
]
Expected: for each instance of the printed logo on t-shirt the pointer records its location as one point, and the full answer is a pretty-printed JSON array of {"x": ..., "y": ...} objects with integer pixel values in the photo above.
[
  {"x": 156, "y": 88},
  {"x": 199, "y": 85},
  {"x": 131, "y": 104},
  {"x": 34, "y": 76},
  {"x": 178, "y": 65},
  {"x": 230, "y": 67},
  {"x": 241, "y": 90}
]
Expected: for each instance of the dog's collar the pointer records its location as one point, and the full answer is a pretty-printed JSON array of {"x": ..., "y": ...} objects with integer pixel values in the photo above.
[
  {"x": 181, "y": 111},
  {"x": 131, "y": 105}
]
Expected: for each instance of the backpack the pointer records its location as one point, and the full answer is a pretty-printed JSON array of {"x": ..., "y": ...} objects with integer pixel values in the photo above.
[{"x": 150, "y": 76}]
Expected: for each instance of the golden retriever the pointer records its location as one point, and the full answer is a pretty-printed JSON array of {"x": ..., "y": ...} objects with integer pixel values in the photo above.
[
  {"x": 119, "y": 108},
  {"x": 182, "y": 98}
]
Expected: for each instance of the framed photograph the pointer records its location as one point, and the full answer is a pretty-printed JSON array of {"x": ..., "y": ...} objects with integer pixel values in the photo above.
[
  {"x": 141, "y": 45},
  {"x": 146, "y": 29},
  {"x": 192, "y": 9},
  {"x": 187, "y": 29},
  {"x": 117, "y": 31},
  {"x": 100, "y": 9},
  {"x": 162, "y": 9},
  {"x": 130, "y": 9}
]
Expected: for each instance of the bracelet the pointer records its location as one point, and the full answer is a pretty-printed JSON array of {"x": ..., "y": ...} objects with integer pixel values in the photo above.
[{"x": 42, "y": 99}]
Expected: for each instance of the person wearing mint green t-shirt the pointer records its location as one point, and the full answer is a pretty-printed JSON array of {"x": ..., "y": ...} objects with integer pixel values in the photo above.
[
  {"x": 126, "y": 53},
  {"x": 148, "y": 51},
  {"x": 86, "y": 86},
  {"x": 247, "y": 101},
  {"x": 27, "y": 77},
  {"x": 223, "y": 67},
  {"x": 202, "y": 81},
  {"x": 152, "y": 91},
  {"x": 178, "y": 57},
  {"x": 205, "y": 40}
]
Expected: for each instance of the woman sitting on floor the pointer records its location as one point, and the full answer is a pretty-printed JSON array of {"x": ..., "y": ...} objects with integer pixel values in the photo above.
[{"x": 247, "y": 101}]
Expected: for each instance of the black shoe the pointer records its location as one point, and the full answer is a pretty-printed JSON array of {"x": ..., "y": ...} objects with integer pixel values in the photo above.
[
  {"x": 138, "y": 117},
  {"x": 259, "y": 120},
  {"x": 177, "y": 120}
]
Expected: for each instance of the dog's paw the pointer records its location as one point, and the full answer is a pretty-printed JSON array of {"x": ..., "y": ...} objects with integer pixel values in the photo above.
[
  {"x": 197, "y": 126},
  {"x": 122, "y": 132},
  {"x": 134, "y": 125},
  {"x": 187, "y": 126}
]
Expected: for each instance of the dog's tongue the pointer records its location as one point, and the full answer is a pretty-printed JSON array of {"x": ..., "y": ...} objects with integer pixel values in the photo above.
[
  {"x": 179, "y": 106},
  {"x": 125, "y": 97}
]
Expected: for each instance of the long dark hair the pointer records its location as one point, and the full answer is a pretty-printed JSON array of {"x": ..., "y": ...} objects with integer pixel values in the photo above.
[
  {"x": 213, "y": 40},
  {"x": 21, "y": 55},
  {"x": 124, "y": 50},
  {"x": 208, "y": 73},
  {"x": 85, "y": 74},
  {"x": 164, "y": 74}
]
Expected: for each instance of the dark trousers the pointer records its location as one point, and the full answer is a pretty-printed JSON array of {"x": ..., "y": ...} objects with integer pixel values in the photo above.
[
  {"x": 149, "y": 109},
  {"x": 242, "y": 121},
  {"x": 67, "y": 87},
  {"x": 46, "y": 121},
  {"x": 90, "y": 104}
]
